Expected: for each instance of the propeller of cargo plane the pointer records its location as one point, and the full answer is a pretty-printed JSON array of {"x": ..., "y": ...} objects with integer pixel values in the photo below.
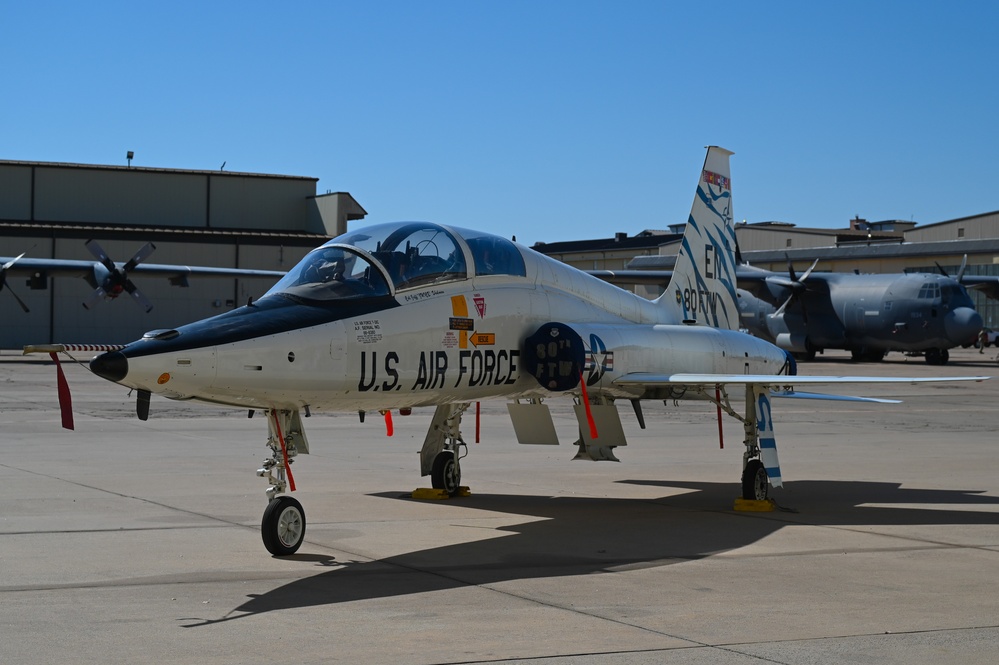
[
  {"x": 797, "y": 287},
  {"x": 960, "y": 271},
  {"x": 3, "y": 280},
  {"x": 110, "y": 281}
]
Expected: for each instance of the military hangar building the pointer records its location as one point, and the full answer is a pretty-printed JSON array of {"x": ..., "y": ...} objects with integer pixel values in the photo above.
[
  {"x": 198, "y": 218},
  {"x": 867, "y": 247}
]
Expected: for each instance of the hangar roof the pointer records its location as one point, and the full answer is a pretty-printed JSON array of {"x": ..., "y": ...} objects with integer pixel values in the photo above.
[{"x": 151, "y": 169}]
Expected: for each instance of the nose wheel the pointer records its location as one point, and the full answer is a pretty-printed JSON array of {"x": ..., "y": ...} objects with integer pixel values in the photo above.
[{"x": 283, "y": 526}]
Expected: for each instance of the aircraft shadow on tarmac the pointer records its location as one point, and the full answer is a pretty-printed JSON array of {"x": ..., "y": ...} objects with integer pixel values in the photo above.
[{"x": 582, "y": 536}]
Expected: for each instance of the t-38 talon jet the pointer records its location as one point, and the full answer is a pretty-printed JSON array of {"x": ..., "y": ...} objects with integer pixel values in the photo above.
[{"x": 396, "y": 316}]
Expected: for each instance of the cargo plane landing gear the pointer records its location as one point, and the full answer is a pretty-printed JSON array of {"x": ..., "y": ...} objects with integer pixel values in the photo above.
[{"x": 283, "y": 525}]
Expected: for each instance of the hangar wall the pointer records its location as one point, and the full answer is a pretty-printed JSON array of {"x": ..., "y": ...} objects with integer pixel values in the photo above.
[
  {"x": 208, "y": 218},
  {"x": 978, "y": 227}
]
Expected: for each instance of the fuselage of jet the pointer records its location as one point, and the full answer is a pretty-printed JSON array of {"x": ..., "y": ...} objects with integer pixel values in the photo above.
[{"x": 370, "y": 339}]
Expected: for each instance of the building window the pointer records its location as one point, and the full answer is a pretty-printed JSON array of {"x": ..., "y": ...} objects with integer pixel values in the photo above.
[
  {"x": 788, "y": 242},
  {"x": 960, "y": 232}
]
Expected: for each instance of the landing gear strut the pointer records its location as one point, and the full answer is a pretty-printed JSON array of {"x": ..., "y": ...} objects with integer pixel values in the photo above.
[
  {"x": 283, "y": 525},
  {"x": 440, "y": 458},
  {"x": 761, "y": 448}
]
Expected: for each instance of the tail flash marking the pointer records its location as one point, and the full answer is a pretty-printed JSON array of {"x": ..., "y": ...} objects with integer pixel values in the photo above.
[{"x": 703, "y": 287}]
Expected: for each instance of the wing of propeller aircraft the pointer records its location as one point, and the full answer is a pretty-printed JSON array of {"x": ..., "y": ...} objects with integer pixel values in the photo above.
[
  {"x": 110, "y": 279},
  {"x": 415, "y": 314}
]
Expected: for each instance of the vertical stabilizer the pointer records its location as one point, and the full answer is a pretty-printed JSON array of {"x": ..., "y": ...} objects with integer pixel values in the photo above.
[{"x": 703, "y": 286}]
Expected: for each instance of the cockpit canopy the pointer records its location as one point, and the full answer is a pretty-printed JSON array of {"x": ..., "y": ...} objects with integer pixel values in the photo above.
[{"x": 379, "y": 260}]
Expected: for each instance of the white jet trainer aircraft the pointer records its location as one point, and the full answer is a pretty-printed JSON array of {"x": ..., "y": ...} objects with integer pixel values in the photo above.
[{"x": 396, "y": 316}]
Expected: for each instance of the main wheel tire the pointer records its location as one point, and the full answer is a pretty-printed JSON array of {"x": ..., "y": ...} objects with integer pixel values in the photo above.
[
  {"x": 283, "y": 526},
  {"x": 446, "y": 473},
  {"x": 755, "y": 484}
]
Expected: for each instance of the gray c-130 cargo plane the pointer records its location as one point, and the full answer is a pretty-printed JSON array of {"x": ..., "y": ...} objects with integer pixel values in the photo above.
[
  {"x": 415, "y": 314},
  {"x": 868, "y": 315}
]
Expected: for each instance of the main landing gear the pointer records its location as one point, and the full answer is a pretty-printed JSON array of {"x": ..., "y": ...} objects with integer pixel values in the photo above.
[
  {"x": 283, "y": 525},
  {"x": 440, "y": 457},
  {"x": 937, "y": 356},
  {"x": 760, "y": 465}
]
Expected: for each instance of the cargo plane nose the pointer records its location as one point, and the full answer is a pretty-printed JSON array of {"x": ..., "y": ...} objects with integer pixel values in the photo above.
[{"x": 962, "y": 325}]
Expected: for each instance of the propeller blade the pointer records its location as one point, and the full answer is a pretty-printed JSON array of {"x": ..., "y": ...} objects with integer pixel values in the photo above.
[
  {"x": 138, "y": 296},
  {"x": 139, "y": 257},
  {"x": 790, "y": 268},
  {"x": 3, "y": 281},
  {"x": 941, "y": 269},
  {"x": 780, "y": 310},
  {"x": 804, "y": 310},
  {"x": 960, "y": 271},
  {"x": 19, "y": 301},
  {"x": 96, "y": 297},
  {"x": 809, "y": 271},
  {"x": 12, "y": 262},
  {"x": 99, "y": 253}
]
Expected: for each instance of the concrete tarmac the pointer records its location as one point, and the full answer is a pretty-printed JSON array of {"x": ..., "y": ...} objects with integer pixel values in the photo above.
[{"x": 139, "y": 542}]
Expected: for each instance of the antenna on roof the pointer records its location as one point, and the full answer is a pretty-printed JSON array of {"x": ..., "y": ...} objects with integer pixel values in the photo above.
[
  {"x": 129, "y": 155},
  {"x": 222, "y": 168}
]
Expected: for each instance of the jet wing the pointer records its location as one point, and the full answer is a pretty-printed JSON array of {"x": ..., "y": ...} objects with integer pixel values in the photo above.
[
  {"x": 781, "y": 385},
  {"x": 775, "y": 380}
]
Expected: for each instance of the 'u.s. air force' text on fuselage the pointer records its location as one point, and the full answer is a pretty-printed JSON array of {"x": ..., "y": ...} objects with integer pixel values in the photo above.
[{"x": 474, "y": 367}]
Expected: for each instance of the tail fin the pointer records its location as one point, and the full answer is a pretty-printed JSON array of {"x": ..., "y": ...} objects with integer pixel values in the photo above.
[{"x": 702, "y": 289}]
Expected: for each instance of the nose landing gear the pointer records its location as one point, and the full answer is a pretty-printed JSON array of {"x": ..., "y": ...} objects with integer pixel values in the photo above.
[{"x": 283, "y": 525}]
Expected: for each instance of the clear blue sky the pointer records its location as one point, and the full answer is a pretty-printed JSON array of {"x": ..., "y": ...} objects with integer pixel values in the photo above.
[{"x": 548, "y": 120}]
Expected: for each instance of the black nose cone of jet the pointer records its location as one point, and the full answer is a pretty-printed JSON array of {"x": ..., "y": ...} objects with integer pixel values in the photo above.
[{"x": 112, "y": 365}]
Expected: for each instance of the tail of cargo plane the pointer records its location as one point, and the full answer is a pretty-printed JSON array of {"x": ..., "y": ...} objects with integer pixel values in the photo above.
[{"x": 702, "y": 289}]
